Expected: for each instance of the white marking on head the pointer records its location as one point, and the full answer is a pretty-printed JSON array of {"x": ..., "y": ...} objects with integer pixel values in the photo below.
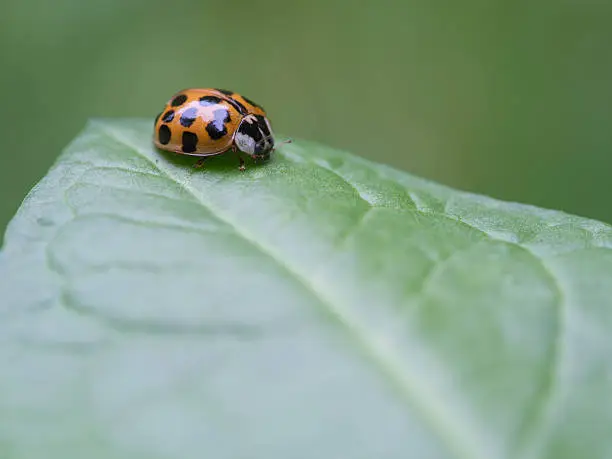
[{"x": 245, "y": 143}]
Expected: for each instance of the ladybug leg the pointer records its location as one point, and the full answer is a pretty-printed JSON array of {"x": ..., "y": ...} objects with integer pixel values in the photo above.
[
  {"x": 235, "y": 150},
  {"x": 200, "y": 162}
]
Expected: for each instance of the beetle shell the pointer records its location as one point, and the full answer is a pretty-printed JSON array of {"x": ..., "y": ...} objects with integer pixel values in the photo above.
[{"x": 204, "y": 122}]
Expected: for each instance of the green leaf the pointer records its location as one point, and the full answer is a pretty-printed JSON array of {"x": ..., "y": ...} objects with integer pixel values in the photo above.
[{"x": 318, "y": 306}]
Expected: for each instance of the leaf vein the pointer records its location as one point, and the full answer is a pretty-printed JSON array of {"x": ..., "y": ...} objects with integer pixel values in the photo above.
[{"x": 535, "y": 420}]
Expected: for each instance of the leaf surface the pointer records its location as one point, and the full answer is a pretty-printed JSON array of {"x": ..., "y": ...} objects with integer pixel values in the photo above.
[{"x": 320, "y": 305}]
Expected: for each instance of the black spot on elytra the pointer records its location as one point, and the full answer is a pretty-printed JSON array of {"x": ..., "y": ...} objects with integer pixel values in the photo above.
[
  {"x": 252, "y": 103},
  {"x": 188, "y": 117},
  {"x": 216, "y": 128},
  {"x": 178, "y": 100},
  {"x": 214, "y": 132},
  {"x": 209, "y": 100},
  {"x": 168, "y": 116},
  {"x": 226, "y": 92},
  {"x": 189, "y": 141},
  {"x": 164, "y": 134}
]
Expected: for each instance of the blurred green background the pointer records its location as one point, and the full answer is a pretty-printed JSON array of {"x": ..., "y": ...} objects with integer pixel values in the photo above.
[{"x": 507, "y": 98}]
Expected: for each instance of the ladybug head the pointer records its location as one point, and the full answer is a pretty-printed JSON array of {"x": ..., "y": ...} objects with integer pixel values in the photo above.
[{"x": 254, "y": 136}]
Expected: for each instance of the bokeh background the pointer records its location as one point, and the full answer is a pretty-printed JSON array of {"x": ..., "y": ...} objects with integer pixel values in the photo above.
[{"x": 512, "y": 99}]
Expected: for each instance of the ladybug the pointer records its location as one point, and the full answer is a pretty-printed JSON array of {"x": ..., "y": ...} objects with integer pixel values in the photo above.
[{"x": 208, "y": 122}]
